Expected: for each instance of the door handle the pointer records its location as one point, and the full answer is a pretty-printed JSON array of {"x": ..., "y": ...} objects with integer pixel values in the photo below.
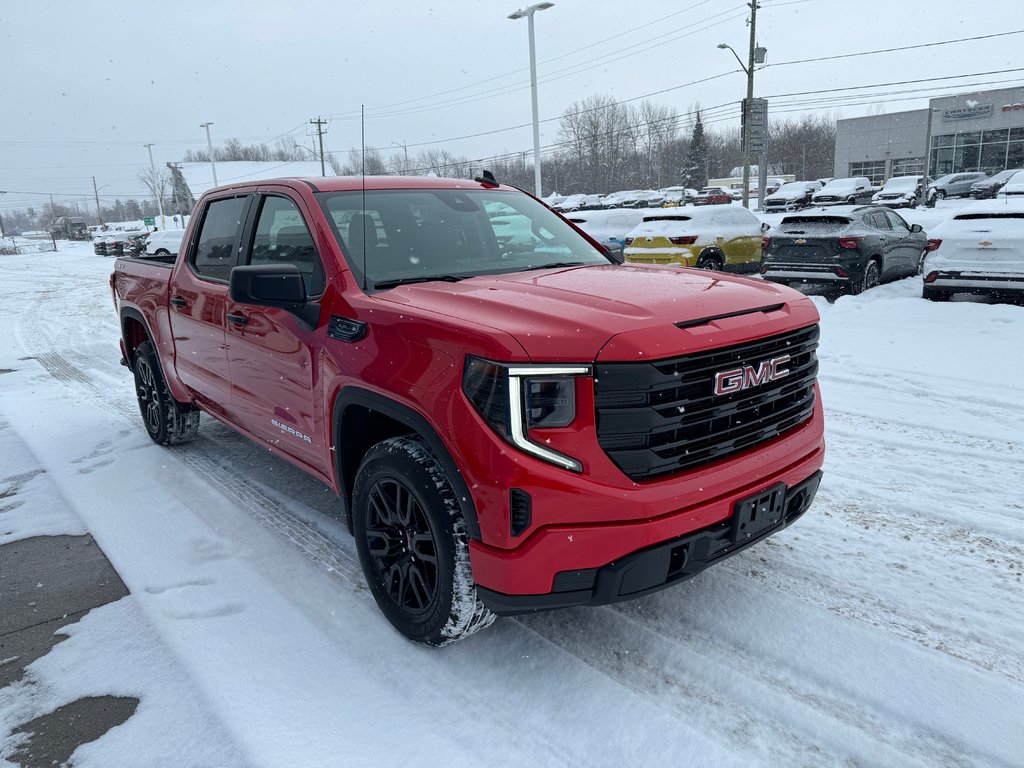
[
  {"x": 179, "y": 302},
  {"x": 237, "y": 318}
]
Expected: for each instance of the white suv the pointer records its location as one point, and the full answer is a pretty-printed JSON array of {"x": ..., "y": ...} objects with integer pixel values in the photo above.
[{"x": 164, "y": 242}]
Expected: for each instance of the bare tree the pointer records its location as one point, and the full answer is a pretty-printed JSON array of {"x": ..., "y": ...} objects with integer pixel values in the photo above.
[{"x": 158, "y": 182}]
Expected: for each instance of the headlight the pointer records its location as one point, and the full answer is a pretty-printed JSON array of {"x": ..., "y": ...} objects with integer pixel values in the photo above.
[{"x": 514, "y": 399}]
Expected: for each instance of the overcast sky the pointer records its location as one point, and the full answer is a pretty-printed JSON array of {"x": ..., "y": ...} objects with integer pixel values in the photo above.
[{"x": 85, "y": 85}]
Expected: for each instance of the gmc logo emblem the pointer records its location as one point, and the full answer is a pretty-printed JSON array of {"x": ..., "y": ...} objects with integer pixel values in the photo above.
[{"x": 738, "y": 379}]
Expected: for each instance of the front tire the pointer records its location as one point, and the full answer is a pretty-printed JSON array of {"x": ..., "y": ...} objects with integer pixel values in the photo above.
[
  {"x": 413, "y": 546},
  {"x": 941, "y": 194},
  {"x": 167, "y": 421}
]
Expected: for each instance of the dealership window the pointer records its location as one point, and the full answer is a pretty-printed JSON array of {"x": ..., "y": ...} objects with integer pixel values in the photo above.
[
  {"x": 873, "y": 169},
  {"x": 988, "y": 151},
  {"x": 993, "y": 157},
  {"x": 1015, "y": 155},
  {"x": 908, "y": 166}
]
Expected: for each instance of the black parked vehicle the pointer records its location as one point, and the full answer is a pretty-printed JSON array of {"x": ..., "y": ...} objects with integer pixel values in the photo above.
[
  {"x": 990, "y": 187},
  {"x": 853, "y": 247},
  {"x": 135, "y": 245}
]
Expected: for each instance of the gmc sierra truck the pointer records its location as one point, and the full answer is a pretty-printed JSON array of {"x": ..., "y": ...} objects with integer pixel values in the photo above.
[{"x": 513, "y": 421}]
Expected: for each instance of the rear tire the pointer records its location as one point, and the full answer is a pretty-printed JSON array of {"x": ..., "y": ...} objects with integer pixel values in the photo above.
[
  {"x": 710, "y": 262},
  {"x": 167, "y": 421},
  {"x": 871, "y": 278},
  {"x": 413, "y": 546}
]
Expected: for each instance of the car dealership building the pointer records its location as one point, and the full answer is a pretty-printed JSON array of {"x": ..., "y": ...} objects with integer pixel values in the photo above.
[{"x": 981, "y": 131}]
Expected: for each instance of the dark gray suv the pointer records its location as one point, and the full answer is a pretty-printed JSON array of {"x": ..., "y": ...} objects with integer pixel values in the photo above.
[{"x": 850, "y": 247}]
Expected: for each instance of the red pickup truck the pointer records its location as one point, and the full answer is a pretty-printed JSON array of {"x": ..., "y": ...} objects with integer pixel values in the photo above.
[{"x": 513, "y": 421}]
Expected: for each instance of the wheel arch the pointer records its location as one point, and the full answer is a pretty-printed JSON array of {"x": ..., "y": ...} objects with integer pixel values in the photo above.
[
  {"x": 712, "y": 251},
  {"x": 367, "y": 418},
  {"x": 135, "y": 331}
]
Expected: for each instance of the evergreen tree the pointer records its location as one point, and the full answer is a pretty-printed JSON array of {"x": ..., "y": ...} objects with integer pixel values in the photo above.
[{"x": 694, "y": 170}]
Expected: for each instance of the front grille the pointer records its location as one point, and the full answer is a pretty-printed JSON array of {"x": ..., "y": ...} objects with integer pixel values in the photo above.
[
  {"x": 661, "y": 417},
  {"x": 826, "y": 199}
]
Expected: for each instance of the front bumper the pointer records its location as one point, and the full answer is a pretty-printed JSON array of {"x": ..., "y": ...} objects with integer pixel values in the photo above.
[
  {"x": 582, "y": 523},
  {"x": 669, "y": 562}
]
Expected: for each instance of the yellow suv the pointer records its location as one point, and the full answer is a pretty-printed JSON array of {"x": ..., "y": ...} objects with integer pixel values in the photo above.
[{"x": 725, "y": 237}]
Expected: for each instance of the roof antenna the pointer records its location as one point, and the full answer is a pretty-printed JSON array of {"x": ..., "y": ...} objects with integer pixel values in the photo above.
[
  {"x": 487, "y": 178},
  {"x": 362, "y": 217}
]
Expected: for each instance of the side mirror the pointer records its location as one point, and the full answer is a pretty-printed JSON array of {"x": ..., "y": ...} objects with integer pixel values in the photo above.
[
  {"x": 916, "y": 228},
  {"x": 765, "y": 226},
  {"x": 273, "y": 285}
]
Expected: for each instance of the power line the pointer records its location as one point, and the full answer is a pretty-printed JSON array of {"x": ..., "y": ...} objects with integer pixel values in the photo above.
[{"x": 900, "y": 48}]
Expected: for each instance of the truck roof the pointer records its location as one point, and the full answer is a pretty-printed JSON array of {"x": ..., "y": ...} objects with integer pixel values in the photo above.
[{"x": 355, "y": 183}]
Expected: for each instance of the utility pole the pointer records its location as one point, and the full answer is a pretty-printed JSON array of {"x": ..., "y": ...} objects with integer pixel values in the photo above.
[
  {"x": 320, "y": 123},
  {"x": 749, "y": 104},
  {"x": 209, "y": 144},
  {"x": 156, "y": 186},
  {"x": 96, "y": 192}
]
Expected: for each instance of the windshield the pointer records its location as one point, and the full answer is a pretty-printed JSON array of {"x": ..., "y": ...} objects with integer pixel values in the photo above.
[
  {"x": 839, "y": 184},
  {"x": 792, "y": 188},
  {"x": 901, "y": 182},
  {"x": 419, "y": 235}
]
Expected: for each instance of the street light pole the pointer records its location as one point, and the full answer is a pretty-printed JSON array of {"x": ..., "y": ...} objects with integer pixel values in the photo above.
[
  {"x": 209, "y": 144},
  {"x": 156, "y": 186},
  {"x": 749, "y": 71},
  {"x": 528, "y": 13}
]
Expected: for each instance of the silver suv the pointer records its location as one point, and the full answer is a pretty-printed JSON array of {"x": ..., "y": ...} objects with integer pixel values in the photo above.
[{"x": 956, "y": 184}]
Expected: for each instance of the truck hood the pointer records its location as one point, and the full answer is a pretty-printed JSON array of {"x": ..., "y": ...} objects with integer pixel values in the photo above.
[{"x": 574, "y": 314}]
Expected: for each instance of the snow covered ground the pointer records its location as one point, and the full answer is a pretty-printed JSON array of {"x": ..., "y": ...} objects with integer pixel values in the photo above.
[{"x": 885, "y": 628}]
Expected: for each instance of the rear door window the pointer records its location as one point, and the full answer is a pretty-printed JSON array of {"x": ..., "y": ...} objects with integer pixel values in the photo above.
[{"x": 216, "y": 249}]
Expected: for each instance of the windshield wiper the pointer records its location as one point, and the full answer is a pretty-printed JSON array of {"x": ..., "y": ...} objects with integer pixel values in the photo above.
[
  {"x": 556, "y": 265},
  {"x": 426, "y": 279}
]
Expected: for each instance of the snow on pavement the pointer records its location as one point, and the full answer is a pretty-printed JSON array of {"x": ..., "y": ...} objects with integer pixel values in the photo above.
[{"x": 886, "y": 627}]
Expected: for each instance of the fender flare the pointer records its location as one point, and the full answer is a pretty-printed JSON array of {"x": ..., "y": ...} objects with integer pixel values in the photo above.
[{"x": 365, "y": 398}]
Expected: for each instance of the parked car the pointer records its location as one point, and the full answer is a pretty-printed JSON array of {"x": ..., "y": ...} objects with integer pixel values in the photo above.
[
  {"x": 569, "y": 203},
  {"x": 1014, "y": 187},
  {"x": 99, "y": 243},
  {"x": 649, "y": 198},
  {"x": 791, "y": 196},
  {"x": 990, "y": 187},
  {"x": 609, "y": 227},
  {"x": 119, "y": 242},
  {"x": 626, "y": 198},
  {"x": 980, "y": 250},
  {"x": 135, "y": 244},
  {"x": 713, "y": 196},
  {"x": 164, "y": 242},
  {"x": 848, "y": 191},
  {"x": 899, "y": 192},
  {"x": 675, "y": 196},
  {"x": 854, "y": 247},
  {"x": 956, "y": 184},
  {"x": 728, "y": 238}
]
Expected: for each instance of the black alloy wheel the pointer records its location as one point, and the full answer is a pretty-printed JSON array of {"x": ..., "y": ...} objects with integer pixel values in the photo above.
[
  {"x": 147, "y": 392},
  {"x": 401, "y": 546},
  {"x": 411, "y": 537},
  {"x": 167, "y": 421}
]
